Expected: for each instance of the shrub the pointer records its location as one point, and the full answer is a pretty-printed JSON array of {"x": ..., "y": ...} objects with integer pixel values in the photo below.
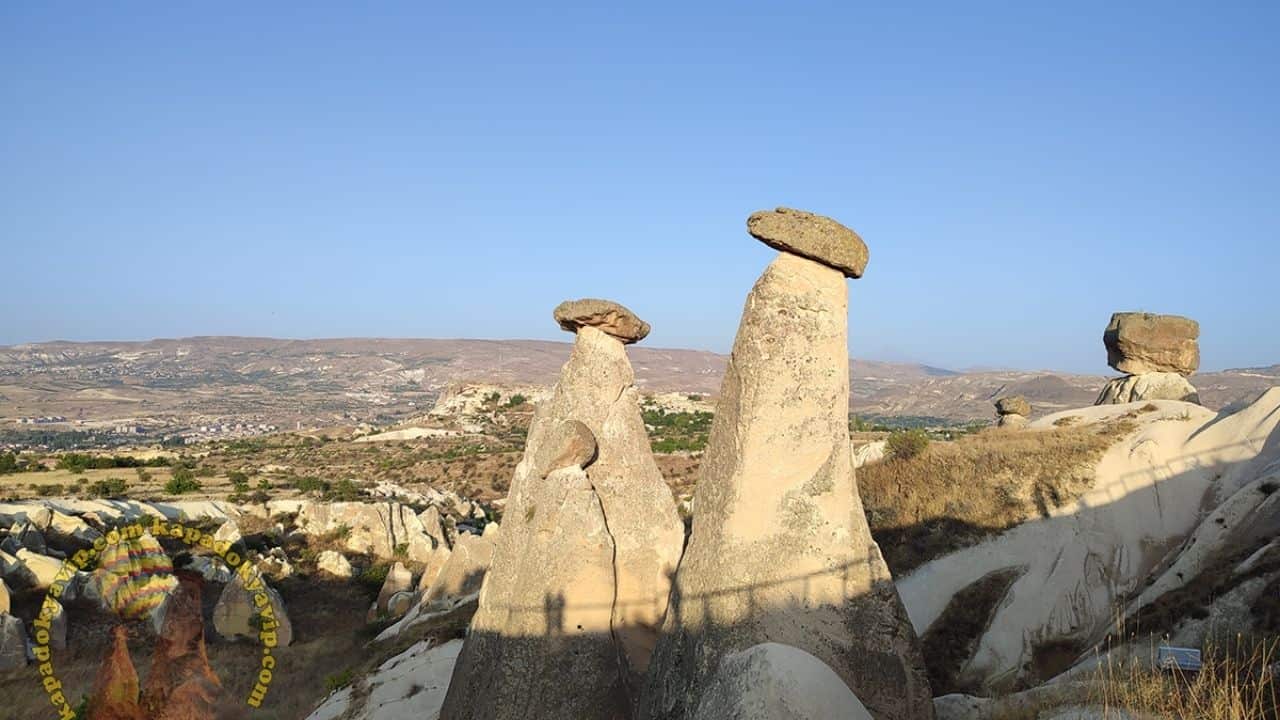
[
  {"x": 110, "y": 488},
  {"x": 183, "y": 481},
  {"x": 906, "y": 444},
  {"x": 516, "y": 400}
]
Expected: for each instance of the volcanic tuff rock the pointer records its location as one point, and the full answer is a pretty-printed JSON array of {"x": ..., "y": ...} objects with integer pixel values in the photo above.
[
  {"x": 780, "y": 550},
  {"x": 581, "y": 571},
  {"x": 771, "y": 681},
  {"x": 1144, "y": 342},
  {"x": 608, "y": 316},
  {"x": 335, "y": 564},
  {"x": 1013, "y": 405},
  {"x": 13, "y": 642},
  {"x": 812, "y": 236},
  {"x": 399, "y": 579},
  {"x": 1148, "y": 386},
  {"x": 182, "y": 685},
  {"x": 116, "y": 690},
  {"x": 4, "y": 597},
  {"x": 237, "y": 615}
]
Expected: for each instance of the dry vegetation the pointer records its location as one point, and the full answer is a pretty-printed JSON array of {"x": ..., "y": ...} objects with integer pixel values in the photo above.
[
  {"x": 1236, "y": 683},
  {"x": 954, "y": 494}
]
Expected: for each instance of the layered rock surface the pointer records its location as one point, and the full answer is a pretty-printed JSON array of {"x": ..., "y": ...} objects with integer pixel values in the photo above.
[
  {"x": 581, "y": 571},
  {"x": 780, "y": 550},
  {"x": 1139, "y": 343}
]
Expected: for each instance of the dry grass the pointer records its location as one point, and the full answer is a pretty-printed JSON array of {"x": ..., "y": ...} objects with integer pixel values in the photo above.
[
  {"x": 1234, "y": 684},
  {"x": 954, "y": 494}
]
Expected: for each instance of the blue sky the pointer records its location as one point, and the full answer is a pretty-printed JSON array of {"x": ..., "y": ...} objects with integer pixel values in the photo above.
[{"x": 455, "y": 170}]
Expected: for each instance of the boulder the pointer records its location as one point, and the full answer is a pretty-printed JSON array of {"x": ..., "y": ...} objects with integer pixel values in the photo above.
[
  {"x": 13, "y": 642},
  {"x": 602, "y": 591},
  {"x": 431, "y": 569},
  {"x": 1013, "y": 405},
  {"x": 409, "y": 685},
  {"x": 237, "y": 611},
  {"x": 27, "y": 536},
  {"x": 432, "y": 524},
  {"x": 210, "y": 568},
  {"x": 229, "y": 532},
  {"x": 605, "y": 315},
  {"x": 463, "y": 571},
  {"x": 1148, "y": 386},
  {"x": 374, "y": 528},
  {"x": 73, "y": 528},
  {"x": 398, "y": 580},
  {"x": 1012, "y": 421},
  {"x": 771, "y": 681},
  {"x": 334, "y": 563},
  {"x": 1140, "y": 343},
  {"x": 42, "y": 568},
  {"x": 400, "y": 603},
  {"x": 780, "y": 549},
  {"x": 53, "y": 619},
  {"x": 5, "y": 601},
  {"x": 811, "y": 236},
  {"x": 569, "y": 444}
]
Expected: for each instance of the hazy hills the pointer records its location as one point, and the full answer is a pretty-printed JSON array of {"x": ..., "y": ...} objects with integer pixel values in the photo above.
[{"x": 315, "y": 381}]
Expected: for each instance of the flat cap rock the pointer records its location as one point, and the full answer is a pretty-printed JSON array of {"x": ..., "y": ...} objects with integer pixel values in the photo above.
[
  {"x": 1140, "y": 343},
  {"x": 608, "y": 316},
  {"x": 816, "y": 237},
  {"x": 1013, "y": 405}
]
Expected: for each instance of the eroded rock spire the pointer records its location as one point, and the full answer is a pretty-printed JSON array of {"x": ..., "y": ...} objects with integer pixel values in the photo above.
[{"x": 780, "y": 550}]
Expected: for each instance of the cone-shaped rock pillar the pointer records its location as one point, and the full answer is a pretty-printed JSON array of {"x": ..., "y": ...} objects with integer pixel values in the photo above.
[
  {"x": 581, "y": 574},
  {"x": 780, "y": 550}
]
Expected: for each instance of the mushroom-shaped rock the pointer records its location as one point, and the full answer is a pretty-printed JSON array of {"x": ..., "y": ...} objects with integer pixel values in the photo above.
[
  {"x": 816, "y": 237},
  {"x": 1013, "y": 405},
  {"x": 608, "y": 316},
  {"x": 772, "y": 681},
  {"x": 570, "y": 444},
  {"x": 182, "y": 684},
  {"x": 1140, "y": 343}
]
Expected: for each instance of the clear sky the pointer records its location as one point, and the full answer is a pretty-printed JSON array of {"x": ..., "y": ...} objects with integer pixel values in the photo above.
[{"x": 455, "y": 170}]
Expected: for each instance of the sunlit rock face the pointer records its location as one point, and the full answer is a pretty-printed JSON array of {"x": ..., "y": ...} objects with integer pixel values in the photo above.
[
  {"x": 780, "y": 550},
  {"x": 581, "y": 572}
]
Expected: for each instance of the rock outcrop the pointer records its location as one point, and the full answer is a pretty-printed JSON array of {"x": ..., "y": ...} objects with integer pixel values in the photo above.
[
  {"x": 409, "y": 685},
  {"x": 13, "y": 642},
  {"x": 771, "y": 681},
  {"x": 1157, "y": 352},
  {"x": 335, "y": 564},
  {"x": 374, "y": 528},
  {"x": 581, "y": 571},
  {"x": 399, "y": 580},
  {"x": 1139, "y": 343},
  {"x": 116, "y": 690},
  {"x": 780, "y": 550},
  {"x": 1013, "y": 411},
  {"x": 239, "y": 614},
  {"x": 1146, "y": 387},
  {"x": 181, "y": 684}
]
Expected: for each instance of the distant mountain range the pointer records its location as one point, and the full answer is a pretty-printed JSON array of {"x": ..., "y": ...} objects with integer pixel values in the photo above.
[{"x": 205, "y": 379}]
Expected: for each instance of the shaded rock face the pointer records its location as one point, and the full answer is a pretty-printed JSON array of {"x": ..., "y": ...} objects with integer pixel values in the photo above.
[
  {"x": 1140, "y": 343},
  {"x": 771, "y": 681},
  {"x": 581, "y": 572},
  {"x": 237, "y": 613},
  {"x": 816, "y": 237},
  {"x": 116, "y": 692},
  {"x": 1148, "y": 386},
  {"x": 399, "y": 579},
  {"x": 181, "y": 685},
  {"x": 13, "y": 642},
  {"x": 1012, "y": 421},
  {"x": 780, "y": 550}
]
